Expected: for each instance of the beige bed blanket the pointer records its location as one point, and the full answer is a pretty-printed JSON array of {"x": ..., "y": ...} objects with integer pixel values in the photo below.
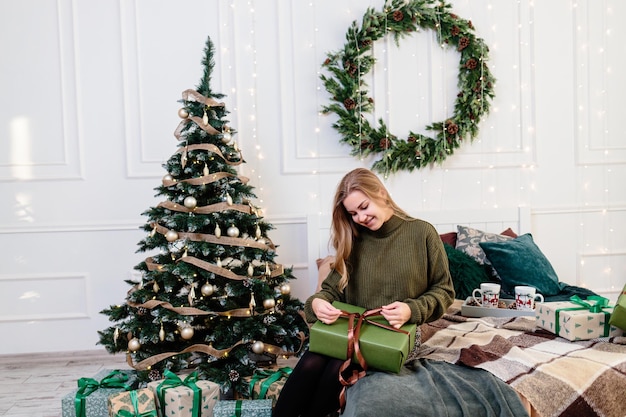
[{"x": 558, "y": 377}]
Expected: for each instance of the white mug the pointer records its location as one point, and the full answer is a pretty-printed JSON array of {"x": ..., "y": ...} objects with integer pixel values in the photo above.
[
  {"x": 489, "y": 295},
  {"x": 525, "y": 297}
]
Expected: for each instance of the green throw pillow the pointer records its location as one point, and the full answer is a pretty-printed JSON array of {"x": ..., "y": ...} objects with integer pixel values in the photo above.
[
  {"x": 519, "y": 261},
  {"x": 466, "y": 273}
]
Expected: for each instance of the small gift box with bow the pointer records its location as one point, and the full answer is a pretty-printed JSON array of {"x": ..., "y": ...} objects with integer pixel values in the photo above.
[
  {"x": 139, "y": 403},
  {"x": 267, "y": 383},
  {"x": 577, "y": 319},
  {"x": 188, "y": 397},
  {"x": 363, "y": 335},
  {"x": 243, "y": 408},
  {"x": 90, "y": 398},
  {"x": 618, "y": 318}
]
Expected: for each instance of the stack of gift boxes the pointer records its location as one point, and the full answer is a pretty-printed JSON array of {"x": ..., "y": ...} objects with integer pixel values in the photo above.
[
  {"x": 115, "y": 394},
  {"x": 579, "y": 319}
]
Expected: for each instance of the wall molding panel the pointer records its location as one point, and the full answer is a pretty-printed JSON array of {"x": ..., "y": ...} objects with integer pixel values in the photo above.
[
  {"x": 598, "y": 53},
  {"x": 22, "y": 156}
]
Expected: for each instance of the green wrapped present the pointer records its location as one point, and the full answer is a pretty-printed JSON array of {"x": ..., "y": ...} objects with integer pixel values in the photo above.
[
  {"x": 243, "y": 408},
  {"x": 267, "y": 383},
  {"x": 187, "y": 397},
  {"x": 618, "y": 317},
  {"x": 382, "y": 346},
  {"x": 90, "y": 398},
  {"x": 138, "y": 403},
  {"x": 577, "y": 319}
]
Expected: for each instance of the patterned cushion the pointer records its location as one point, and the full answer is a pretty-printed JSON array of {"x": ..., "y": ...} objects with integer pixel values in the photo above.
[{"x": 468, "y": 240}]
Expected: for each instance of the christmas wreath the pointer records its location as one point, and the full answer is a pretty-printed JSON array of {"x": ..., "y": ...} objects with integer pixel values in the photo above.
[{"x": 350, "y": 97}]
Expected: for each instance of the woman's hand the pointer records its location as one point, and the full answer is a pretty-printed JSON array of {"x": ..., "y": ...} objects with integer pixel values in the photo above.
[
  {"x": 325, "y": 311},
  {"x": 396, "y": 313}
]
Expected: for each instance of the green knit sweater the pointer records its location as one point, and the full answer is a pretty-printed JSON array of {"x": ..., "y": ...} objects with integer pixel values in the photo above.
[{"x": 404, "y": 261}]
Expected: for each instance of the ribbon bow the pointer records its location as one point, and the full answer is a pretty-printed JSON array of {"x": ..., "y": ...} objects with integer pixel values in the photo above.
[
  {"x": 86, "y": 386},
  {"x": 172, "y": 380},
  {"x": 135, "y": 412},
  {"x": 270, "y": 377},
  {"x": 600, "y": 303},
  {"x": 354, "y": 348}
]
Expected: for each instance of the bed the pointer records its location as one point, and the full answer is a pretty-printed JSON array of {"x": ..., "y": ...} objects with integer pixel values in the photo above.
[{"x": 483, "y": 366}]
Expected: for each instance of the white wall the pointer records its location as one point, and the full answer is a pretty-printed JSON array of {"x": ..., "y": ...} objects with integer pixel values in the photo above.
[{"x": 89, "y": 103}]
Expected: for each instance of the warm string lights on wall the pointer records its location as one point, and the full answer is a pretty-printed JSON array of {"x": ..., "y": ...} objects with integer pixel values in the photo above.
[{"x": 594, "y": 123}]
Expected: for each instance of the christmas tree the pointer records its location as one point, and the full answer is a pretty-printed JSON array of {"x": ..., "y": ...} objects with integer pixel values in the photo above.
[{"x": 211, "y": 298}]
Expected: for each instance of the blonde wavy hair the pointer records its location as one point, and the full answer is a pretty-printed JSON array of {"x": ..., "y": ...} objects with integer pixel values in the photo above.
[{"x": 343, "y": 229}]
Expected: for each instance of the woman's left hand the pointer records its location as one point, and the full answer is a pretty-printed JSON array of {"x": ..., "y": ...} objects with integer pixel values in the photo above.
[{"x": 396, "y": 313}]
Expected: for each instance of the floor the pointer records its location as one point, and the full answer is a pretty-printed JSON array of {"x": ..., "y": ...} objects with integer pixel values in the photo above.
[{"x": 33, "y": 385}]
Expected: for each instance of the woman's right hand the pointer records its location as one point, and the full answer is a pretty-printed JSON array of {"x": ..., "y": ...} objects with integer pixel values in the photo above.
[{"x": 325, "y": 311}]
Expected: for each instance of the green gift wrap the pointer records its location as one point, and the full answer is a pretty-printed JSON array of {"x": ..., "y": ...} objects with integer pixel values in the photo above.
[
  {"x": 383, "y": 348},
  {"x": 243, "y": 408},
  {"x": 188, "y": 397},
  {"x": 618, "y": 318},
  {"x": 90, "y": 398}
]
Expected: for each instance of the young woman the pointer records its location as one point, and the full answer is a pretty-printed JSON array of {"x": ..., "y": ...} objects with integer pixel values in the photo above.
[{"x": 383, "y": 258}]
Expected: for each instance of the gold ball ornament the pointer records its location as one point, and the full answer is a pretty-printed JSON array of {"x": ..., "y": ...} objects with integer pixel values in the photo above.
[
  {"x": 171, "y": 236},
  {"x": 190, "y": 202},
  {"x": 269, "y": 303},
  {"x": 186, "y": 332},
  {"x": 207, "y": 290},
  {"x": 168, "y": 177},
  {"x": 134, "y": 345},
  {"x": 226, "y": 137},
  {"x": 258, "y": 347},
  {"x": 183, "y": 113},
  {"x": 285, "y": 289},
  {"x": 233, "y": 231}
]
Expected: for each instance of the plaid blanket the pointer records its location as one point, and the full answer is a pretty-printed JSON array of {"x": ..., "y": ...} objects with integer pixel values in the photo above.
[{"x": 557, "y": 377}]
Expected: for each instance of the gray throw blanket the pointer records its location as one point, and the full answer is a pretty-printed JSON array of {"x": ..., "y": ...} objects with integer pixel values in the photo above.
[{"x": 432, "y": 388}]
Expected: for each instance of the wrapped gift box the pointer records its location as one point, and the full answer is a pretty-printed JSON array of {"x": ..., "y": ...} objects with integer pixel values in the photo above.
[
  {"x": 618, "y": 318},
  {"x": 140, "y": 402},
  {"x": 573, "y": 321},
  {"x": 95, "y": 403},
  {"x": 267, "y": 383},
  {"x": 243, "y": 408},
  {"x": 382, "y": 349},
  {"x": 179, "y": 400}
]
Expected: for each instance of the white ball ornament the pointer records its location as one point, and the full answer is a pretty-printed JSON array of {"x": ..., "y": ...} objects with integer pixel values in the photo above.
[
  {"x": 233, "y": 231},
  {"x": 171, "y": 236},
  {"x": 190, "y": 202},
  {"x": 258, "y": 347},
  {"x": 285, "y": 289},
  {"x": 134, "y": 345},
  {"x": 186, "y": 332},
  {"x": 269, "y": 303},
  {"x": 207, "y": 290}
]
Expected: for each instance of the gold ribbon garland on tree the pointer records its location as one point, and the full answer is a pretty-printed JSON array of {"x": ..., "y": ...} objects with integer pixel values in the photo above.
[{"x": 350, "y": 100}]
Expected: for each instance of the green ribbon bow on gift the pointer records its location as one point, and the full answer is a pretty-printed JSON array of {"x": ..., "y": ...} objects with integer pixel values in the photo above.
[
  {"x": 597, "y": 307},
  {"x": 86, "y": 386},
  {"x": 135, "y": 412},
  {"x": 269, "y": 378},
  {"x": 172, "y": 380}
]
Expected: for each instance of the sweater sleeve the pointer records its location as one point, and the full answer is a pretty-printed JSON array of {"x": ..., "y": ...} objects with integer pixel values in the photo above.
[
  {"x": 434, "y": 302},
  {"x": 328, "y": 292}
]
